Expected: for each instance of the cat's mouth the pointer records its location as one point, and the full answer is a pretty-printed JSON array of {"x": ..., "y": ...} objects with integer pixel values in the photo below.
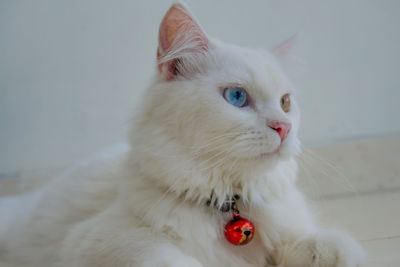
[
  {"x": 279, "y": 151},
  {"x": 268, "y": 154}
]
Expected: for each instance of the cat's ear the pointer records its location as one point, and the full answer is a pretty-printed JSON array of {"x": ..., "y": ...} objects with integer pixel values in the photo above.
[
  {"x": 290, "y": 57},
  {"x": 179, "y": 35},
  {"x": 284, "y": 49}
]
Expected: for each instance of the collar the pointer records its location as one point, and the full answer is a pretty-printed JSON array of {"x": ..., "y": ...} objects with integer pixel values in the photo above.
[{"x": 228, "y": 205}]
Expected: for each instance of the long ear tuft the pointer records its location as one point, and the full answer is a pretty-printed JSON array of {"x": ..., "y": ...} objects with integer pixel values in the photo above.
[{"x": 179, "y": 36}]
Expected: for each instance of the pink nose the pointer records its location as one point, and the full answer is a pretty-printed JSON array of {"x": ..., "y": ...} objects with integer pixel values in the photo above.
[{"x": 282, "y": 128}]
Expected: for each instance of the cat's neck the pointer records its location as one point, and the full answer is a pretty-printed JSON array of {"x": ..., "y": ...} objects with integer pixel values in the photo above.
[{"x": 187, "y": 183}]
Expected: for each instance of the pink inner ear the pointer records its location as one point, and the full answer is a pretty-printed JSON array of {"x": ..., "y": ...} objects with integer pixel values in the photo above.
[
  {"x": 283, "y": 49},
  {"x": 171, "y": 25},
  {"x": 177, "y": 30}
]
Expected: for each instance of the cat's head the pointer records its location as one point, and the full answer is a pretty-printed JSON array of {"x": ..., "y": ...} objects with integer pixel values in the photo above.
[{"x": 215, "y": 108}]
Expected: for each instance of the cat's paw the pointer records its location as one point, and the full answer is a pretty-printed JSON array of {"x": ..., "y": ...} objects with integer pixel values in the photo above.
[{"x": 325, "y": 249}]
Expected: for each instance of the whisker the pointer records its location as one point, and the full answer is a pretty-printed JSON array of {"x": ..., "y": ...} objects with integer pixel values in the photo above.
[{"x": 311, "y": 158}]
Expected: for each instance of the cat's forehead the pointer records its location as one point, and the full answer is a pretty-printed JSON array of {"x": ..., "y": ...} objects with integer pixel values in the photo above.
[{"x": 256, "y": 69}]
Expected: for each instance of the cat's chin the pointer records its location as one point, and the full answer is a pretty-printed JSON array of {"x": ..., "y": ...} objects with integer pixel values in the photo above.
[
  {"x": 280, "y": 153},
  {"x": 266, "y": 155},
  {"x": 265, "y": 159}
]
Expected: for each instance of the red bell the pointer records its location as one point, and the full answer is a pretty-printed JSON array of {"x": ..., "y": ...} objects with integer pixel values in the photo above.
[{"x": 239, "y": 231}]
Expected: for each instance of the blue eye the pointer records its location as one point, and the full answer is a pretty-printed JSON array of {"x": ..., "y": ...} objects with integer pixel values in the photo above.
[{"x": 236, "y": 96}]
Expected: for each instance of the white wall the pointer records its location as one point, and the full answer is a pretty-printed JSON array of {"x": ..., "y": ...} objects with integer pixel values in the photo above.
[{"x": 72, "y": 71}]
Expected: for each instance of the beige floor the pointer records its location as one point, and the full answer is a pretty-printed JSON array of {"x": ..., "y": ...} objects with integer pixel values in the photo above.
[{"x": 355, "y": 187}]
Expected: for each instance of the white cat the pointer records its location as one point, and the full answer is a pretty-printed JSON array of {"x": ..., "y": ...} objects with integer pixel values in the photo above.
[{"x": 217, "y": 121}]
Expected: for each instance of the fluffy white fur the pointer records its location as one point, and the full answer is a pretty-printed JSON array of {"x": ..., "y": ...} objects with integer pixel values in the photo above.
[{"x": 144, "y": 205}]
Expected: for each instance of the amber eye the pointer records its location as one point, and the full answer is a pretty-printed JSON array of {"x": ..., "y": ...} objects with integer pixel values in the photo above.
[{"x": 285, "y": 102}]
